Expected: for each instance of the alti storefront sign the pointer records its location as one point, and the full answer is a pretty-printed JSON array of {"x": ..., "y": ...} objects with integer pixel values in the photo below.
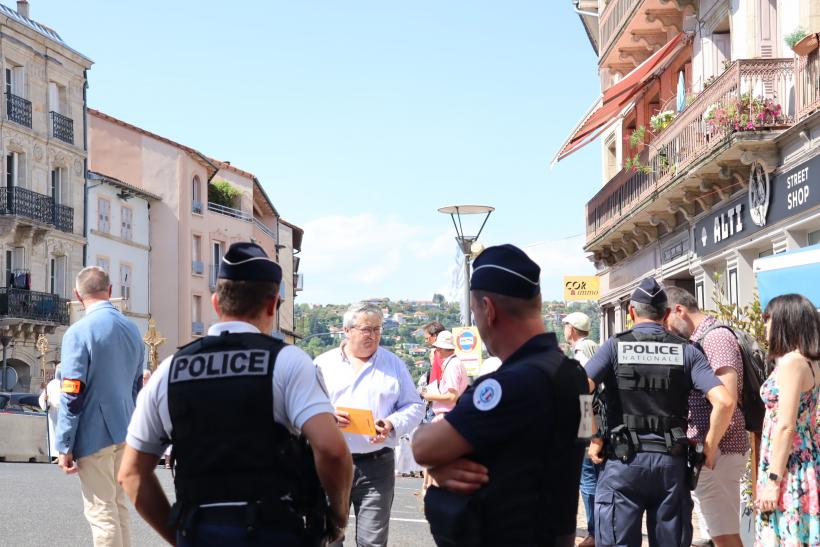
[{"x": 768, "y": 201}]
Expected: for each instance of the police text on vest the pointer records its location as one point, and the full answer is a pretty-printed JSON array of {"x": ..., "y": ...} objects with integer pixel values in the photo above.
[
  {"x": 650, "y": 353},
  {"x": 221, "y": 364}
]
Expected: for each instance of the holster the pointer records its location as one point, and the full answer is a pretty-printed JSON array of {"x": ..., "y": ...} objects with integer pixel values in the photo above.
[
  {"x": 695, "y": 459},
  {"x": 619, "y": 445}
]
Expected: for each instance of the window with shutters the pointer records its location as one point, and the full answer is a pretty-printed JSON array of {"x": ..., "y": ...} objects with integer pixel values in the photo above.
[
  {"x": 103, "y": 215},
  {"x": 15, "y": 170},
  {"x": 105, "y": 263},
  {"x": 15, "y": 262},
  {"x": 57, "y": 277},
  {"x": 126, "y": 219},
  {"x": 125, "y": 280},
  {"x": 196, "y": 195},
  {"x": 59, "y": 186}
]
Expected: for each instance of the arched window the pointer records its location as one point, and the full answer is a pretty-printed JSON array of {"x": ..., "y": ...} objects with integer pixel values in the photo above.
[{"x": 196, "y": 195}]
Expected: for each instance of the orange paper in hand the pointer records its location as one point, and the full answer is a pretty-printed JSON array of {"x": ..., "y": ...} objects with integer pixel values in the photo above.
[{"x": 361, "y": 421}]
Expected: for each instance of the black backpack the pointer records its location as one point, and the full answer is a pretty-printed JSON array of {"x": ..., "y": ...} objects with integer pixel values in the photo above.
[{"x": 755, "y": 372}]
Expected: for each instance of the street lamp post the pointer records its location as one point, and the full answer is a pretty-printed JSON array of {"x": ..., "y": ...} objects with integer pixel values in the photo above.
[
  {"x": 5, "y": 340},
  {"x": 465, "y": 241}
]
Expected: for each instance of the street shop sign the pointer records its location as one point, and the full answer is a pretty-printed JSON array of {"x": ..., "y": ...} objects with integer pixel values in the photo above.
[
  {"x": 769, "y": 200},
  {"x": 468, "y": 348},
  {"x": 581, "y": 287}
]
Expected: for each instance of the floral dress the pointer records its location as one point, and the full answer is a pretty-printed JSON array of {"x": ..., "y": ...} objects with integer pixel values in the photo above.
[{"x": 796, "y": 521}]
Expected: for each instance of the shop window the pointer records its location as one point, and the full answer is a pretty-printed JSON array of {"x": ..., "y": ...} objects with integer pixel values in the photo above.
[
  {"x": 814, "y": 237},
  {"x": 767, "y": 252}
]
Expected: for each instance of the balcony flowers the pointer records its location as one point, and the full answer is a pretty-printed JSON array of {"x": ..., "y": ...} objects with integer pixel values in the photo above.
[
  {"x": 662, "y": 120},
  {"x": 746, "y": 113}
]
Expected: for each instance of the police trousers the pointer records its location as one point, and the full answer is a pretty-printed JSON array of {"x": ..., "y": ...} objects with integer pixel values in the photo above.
[
  {"x": 651, "y": 483},
  {"x": 219, "y": 527}
]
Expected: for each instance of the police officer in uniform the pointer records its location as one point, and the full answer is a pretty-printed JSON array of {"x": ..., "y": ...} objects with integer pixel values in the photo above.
[
  {"x": 648, "y": 374},
  {"x": 506, "y": 460},
  {"x": 234, "y": 403}
]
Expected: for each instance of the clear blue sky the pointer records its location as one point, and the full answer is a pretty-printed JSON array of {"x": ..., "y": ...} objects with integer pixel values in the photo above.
[{"x": 361, "y": 118}]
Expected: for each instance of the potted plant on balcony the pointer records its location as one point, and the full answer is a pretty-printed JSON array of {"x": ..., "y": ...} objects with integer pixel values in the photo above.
[
  {"x": 801, "y": 42},
  {"x": 747, "y": 113},
  {"x": 662, "y": 120}
]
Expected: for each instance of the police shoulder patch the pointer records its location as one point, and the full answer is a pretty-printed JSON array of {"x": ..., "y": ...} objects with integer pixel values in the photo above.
[{"x": 487, "y": 395}]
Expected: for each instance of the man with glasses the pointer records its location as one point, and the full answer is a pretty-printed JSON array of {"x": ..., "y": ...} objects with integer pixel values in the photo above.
[{"x": 361, "y": 375}]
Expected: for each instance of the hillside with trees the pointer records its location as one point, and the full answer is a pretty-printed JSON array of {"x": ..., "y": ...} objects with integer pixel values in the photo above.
[{"x": 321, "y": 325}]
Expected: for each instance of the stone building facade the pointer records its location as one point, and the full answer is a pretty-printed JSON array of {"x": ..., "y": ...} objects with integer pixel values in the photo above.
[{"x": 42, "y": 192}]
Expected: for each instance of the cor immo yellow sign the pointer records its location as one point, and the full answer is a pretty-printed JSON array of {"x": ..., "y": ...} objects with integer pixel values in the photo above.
[{"x": 581, "y": 287}]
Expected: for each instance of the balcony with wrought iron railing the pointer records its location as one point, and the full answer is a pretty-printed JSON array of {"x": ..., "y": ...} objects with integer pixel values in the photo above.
[
  {"x": 265, "y": 229},
  {"x": 33, "y": 305},
  {"x": 62, "y": 127},
  {"x": 745, "y": 98},
  {"x": 18, "y": 109},
  {"x": 807, "y": 84},
  {"x": 229, "y": 211},
  {"x": 26, "y": 203}
]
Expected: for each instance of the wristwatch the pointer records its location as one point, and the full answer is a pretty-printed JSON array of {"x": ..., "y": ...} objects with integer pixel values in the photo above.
[{"x": 774, "y": 477}]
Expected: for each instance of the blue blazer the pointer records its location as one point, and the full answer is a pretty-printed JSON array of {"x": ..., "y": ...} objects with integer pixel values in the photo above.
[{"x": 104, "y": 351}]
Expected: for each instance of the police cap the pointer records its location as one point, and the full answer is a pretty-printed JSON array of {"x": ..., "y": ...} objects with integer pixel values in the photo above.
[
  {"x": 649, "y": 292},
  {"x": 246, "y": 261},
  {"x": 507, "y": 270}
]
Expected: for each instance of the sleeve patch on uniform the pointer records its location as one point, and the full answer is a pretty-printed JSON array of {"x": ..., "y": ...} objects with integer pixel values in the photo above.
[
  {"x": 71, "y": 386},
  {"x": 487, "y": 395}
]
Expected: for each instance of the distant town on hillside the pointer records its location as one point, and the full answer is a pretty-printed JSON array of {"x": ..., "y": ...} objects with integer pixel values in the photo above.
[{"x": 321, "y": 325}]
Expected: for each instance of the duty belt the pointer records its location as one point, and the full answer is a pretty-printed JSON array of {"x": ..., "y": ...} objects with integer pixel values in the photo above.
[{"x": 659, "y": 447}]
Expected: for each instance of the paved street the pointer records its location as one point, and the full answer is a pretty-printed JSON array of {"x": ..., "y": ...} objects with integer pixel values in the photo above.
[{"x": 41, "y": 506}]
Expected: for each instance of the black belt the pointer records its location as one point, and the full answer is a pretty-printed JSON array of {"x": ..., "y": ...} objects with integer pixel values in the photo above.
[
  {"x": 365, "y": 456},
  {"x": 659, "y": 447}
]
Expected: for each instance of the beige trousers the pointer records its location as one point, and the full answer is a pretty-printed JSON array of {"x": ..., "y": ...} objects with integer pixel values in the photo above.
[{"x": 104, "y": 500}]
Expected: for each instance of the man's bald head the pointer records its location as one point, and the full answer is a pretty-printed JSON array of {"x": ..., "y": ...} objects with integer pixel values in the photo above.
[{"x": 93, "y": 281}]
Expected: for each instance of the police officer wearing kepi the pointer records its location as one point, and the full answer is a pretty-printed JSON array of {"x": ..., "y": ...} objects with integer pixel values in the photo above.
[
  {"x": 506, "y": 460},
  {"x": 650, "y": 463},
  {"x": 234, "y": 403}
]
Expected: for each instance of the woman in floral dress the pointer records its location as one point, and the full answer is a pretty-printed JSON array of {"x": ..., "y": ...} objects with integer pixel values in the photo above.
[{"x": 787, "y": 498}]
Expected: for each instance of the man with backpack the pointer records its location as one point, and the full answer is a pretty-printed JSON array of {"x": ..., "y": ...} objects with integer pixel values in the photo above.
[{"x": 717, "y": 496}]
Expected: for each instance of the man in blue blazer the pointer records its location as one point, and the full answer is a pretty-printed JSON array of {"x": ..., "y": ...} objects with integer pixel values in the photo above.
[{"x": 102, "y": 358}]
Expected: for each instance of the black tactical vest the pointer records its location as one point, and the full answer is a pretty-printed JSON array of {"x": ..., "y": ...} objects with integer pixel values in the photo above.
[
  {"x": 226, "y": 445},
  {"x": 653, "y": 385}
]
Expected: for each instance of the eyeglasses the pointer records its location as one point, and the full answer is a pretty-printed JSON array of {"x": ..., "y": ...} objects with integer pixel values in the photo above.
[{"x": 369, "y": 331}]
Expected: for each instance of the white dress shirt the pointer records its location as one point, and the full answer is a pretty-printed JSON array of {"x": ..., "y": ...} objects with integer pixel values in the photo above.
[{"x": 383, "y": 385}]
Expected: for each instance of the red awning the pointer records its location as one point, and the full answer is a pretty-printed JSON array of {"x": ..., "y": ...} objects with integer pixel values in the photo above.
[{"x": 614, "y": 100}]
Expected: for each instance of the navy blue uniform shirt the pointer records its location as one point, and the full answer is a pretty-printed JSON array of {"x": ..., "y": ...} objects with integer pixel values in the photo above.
[
  {"x": 506, "y": 405},
  {"x": 604, "y": 364}
]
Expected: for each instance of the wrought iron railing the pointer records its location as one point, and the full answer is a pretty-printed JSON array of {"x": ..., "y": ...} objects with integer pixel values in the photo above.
[
  {"x": 26, "y": 203},
  {"x": 196, "y": 207},
  {"x": 614, "y": 17},
  {"x": 62, "y": 127},
  {"x": 807, "y": 84},
  {"x": 37, "y": 306},
  {"x": 18, "y": 109},
  {"x": 229, "y": 211},
  {"x": 745, "y": 97},
  {"x": 267, "y": 230}
]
